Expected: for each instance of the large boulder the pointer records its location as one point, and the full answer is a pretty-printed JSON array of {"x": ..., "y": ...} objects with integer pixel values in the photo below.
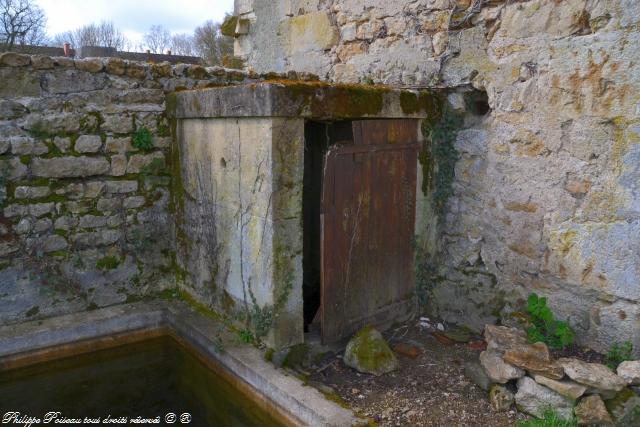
[
  {"x": 630, "y": 372},
  {"x": 592, "y": 412},
  {"x": 497, "y": 370},
  {"x": 534, "y": 399},
  {"x": 594, "y": 375},
  {"x": 534, "y": 358},
  {"x": 369, "y": 353}
]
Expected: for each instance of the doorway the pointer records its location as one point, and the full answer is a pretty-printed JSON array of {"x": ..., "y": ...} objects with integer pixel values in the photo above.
[{"x": 358, "y": 223}]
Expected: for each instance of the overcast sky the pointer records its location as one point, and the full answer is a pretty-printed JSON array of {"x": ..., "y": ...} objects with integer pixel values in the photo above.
[{"x": 133, "y": 17}]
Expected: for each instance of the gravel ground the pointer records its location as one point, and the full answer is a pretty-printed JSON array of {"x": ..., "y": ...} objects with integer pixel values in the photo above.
[{"x": 429, "y": 390}]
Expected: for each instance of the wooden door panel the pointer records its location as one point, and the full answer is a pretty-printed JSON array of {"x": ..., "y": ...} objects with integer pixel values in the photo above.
[{"x": 368, "y": 214}]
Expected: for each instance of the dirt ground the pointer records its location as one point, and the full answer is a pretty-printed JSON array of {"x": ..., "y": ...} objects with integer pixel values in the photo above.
[{"x": 429, "y": 390}]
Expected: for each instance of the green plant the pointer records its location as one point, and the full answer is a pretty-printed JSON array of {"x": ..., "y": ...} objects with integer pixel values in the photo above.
[
  {"x": 107, "y": 263},
  {"x": 142, "y": 139},
  {"x": 549, "y": 419},
  {"x": 245, "y": 335},
  {"x": 618, "y": 353},
  {"x": 544, "y": 328}
]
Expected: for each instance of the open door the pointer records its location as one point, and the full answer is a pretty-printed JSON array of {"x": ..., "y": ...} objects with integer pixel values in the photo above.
[{"x": 367, "y": 227}]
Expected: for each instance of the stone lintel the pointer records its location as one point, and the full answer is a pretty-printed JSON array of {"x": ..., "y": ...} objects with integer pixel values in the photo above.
[{"x": 317, "y": 100}]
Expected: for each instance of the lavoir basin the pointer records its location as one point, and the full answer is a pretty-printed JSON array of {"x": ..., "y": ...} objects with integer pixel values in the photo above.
[{"x": 157, "y": 363}]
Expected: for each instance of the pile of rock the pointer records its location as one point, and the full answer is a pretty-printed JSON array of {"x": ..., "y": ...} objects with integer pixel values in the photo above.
[{"x": 514, "y": 370}]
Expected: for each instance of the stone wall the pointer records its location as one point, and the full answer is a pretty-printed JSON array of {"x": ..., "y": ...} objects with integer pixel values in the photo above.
[
  {"x": 544, "y": 195},
  {"x": 86, "y": 215}
]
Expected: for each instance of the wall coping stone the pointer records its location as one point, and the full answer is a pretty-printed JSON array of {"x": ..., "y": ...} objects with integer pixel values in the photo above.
[{"x": 320, "y": 100}]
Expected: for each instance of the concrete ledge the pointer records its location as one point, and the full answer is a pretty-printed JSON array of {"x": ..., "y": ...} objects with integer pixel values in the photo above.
[
  {"x": 304, "y": 99},
  {"x": 298, "y": 404}
]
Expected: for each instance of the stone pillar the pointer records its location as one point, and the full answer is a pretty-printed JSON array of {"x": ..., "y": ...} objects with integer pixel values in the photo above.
[{"x": 242, "y": 181}]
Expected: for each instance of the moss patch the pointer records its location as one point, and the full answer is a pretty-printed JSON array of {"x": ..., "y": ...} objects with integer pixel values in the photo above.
[
  {"x": 368, "y": 352},
  {"x": 108, "y": 263}
]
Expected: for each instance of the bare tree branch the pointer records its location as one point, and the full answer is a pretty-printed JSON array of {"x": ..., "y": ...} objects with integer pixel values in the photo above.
[{"x": 21, "y": 22}]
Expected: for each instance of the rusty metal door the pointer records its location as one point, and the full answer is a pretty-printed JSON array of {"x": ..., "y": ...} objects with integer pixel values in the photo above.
[{"x": 367, "y": 220}]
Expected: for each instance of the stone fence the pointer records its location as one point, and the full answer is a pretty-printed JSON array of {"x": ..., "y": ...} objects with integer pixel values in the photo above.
[{"x": 85, "y": 180}]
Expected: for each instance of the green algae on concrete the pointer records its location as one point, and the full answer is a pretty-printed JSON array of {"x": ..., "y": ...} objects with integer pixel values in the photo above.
[{"x": 369, "y": 353}]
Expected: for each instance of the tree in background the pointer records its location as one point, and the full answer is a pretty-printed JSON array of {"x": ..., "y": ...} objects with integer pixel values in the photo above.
[
  {"x": 22, "y": 22},
  {"x": 213, "y": 47},
  {"x": 183, "y": 44},
  {"x": 104, "y": 34},
  {"x": 158, "y": 39}
]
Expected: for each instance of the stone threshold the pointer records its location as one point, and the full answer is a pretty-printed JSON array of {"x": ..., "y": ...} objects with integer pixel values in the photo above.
[{"x": 294, "y": 403}]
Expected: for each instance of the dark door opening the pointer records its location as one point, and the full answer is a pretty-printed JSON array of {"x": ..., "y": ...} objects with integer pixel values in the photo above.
[{"x": 319, "y": 137}]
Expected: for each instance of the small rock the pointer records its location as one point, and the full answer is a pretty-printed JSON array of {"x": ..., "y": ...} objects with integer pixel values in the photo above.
[
  {"x": 534, "y": 399},
  {"x": 497, "y": 369},
  {"x": 630, "y": 371},
  {"x": 534, "y": 358},
  {"x": 368, "y": 352},
  {"x": 407, "y": 350},
  {"x": 500, "y": 398},
  {"x": 501, "y": 338},
  {"x": 592, "y": 412},
  {"x": 440, "y": 327},
  {"x": 592, "y": 374},
  {"x": 475, "y": 372},
  {"x": 567, "y": 388}
]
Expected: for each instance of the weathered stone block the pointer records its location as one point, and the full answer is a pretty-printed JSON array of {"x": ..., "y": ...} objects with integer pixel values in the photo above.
[
  {"x": 92, "y": 221},
  {"x": 65, "y": 223},
  {"x": 11, "y": 110},
  {"x": 61, "y": 81},
  {"x": 137, "y": 70},
  {"x": 119, "y": 145},
  {"x": 133, "y": 202},
  {"x": 11, "y": 59},
  {"x": 91, "y": 65},
  {"x": 121, "y": 187},
  {"x": 109, "y": 204},
  {"x": 42, "y": 62},
  {"x": 37, "y": 210},
  {"x": 79, "y": 207},
  {"x": 97, "y": 238},
  {"x": 118, "y": 165},
  {"x": 94, "y": 189},
  {"x": 313, "y": 31},
  {"x": 31, "y": 192},
  {"x": 115, "y": 66},
  {"x": 117, "y": 123},
  {"x": 54, "y": 243},
  {"x": 88, "y": 144},
  {"x": 69, "y": 167},
  {"x": 24, "y": 226},
  {"x": 23, "y": 145},
  {"x": 72, "y": 191},
  {"x": 139, "y": 161},
  {"x": 42, "y": 225},
  {"x": 63, "y": 144}
]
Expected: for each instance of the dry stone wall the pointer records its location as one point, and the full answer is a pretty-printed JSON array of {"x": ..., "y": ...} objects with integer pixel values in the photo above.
[
  {"x": 86, "y": 217},
  {"x": 545, "y": 192}
]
